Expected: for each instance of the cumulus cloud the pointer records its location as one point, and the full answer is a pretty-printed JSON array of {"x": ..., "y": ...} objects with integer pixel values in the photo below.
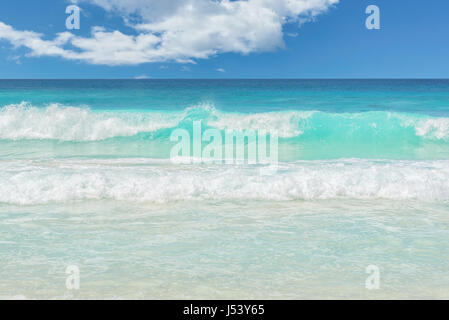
[{"x": 177, "y": 30}]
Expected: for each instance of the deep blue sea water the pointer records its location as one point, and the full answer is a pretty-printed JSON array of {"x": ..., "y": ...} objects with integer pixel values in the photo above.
[{"x": 86, "y": 179}]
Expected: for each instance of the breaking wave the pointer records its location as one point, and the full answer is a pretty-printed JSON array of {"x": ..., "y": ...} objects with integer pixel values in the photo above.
[
  {"x": 145, "y": 180},
  {"x": 66, "y": 123}
]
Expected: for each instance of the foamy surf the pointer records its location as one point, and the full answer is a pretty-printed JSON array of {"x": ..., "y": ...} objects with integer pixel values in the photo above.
[
  {"x": 70, "y": 123},
  {"x": 144, "y": 180},
  {"x": 67, "y": 123}
]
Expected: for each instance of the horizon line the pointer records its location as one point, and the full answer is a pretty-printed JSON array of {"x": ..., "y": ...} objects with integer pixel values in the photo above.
[{"x": 150, "y": 79}]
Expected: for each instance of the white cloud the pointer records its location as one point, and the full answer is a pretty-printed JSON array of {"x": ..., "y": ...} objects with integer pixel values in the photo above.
[
  {"x": 221, "y": 70},
  {"x": 176, "y": 30},
  {"x": 33, "y": 41},
  {"x": 142, "y": 77}
]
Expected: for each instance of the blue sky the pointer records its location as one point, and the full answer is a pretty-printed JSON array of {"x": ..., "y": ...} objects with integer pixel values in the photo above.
[{"x": 202, "y": 39}]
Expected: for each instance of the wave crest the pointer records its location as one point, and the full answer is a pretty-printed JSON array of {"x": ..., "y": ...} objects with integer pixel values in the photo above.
[
  {"x": 66, "y": 123},
  {"x": 23, "y": 121}
]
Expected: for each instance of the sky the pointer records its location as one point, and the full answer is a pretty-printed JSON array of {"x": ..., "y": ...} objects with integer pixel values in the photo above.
[{"x": 224, "y": 39}]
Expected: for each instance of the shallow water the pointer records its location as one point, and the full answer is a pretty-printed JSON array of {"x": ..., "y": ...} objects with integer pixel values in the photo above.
[
  {"x": 86, "y": 181},
  {"x": 300, "y": 249}
]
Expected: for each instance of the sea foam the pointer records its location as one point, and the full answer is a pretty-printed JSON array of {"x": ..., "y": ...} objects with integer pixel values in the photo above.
[
  {"x": 23, "y": 121},
  {"x": 68, "y": 123},
  {"x": 144, "y": 180}
]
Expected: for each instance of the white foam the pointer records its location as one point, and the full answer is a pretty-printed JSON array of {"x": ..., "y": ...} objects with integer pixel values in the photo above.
[
  {"x": 40, "y": 182},
  {"x": 437, "y": 128},
  {"x": 24, "y": 121},
  {"x": 286, "y": 124},
  {"x": 66, "y": 123}
]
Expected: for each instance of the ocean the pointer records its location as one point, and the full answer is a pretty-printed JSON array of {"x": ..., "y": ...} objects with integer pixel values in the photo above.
[{"x": 87, "y": 180}]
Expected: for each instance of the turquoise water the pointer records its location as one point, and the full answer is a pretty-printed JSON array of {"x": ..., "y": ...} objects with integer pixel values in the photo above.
[{"x": 86, "y": 180}]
